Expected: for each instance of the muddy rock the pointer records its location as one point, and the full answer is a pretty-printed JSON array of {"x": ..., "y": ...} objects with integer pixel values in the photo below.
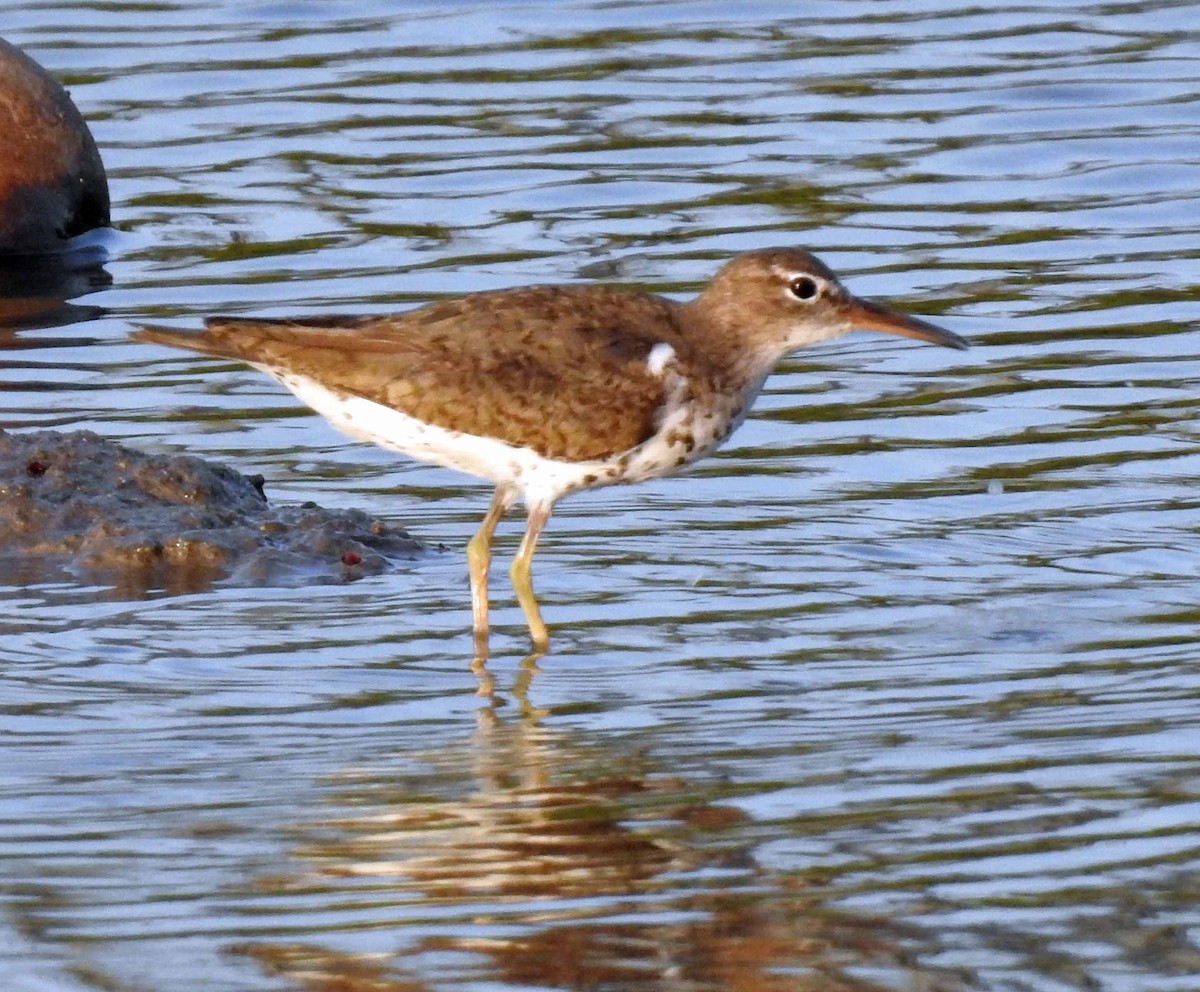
[
  {"x": 52, "y": 182},
  {"x": 81, "y": 506}
]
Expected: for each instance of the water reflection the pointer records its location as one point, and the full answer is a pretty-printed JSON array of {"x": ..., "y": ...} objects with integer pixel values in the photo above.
[
  {"x": 536, "y": 857},
  {"x": 41, "y": 291}
]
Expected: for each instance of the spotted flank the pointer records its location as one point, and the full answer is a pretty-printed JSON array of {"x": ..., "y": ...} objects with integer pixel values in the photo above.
[{"x": 682, "y": 437}]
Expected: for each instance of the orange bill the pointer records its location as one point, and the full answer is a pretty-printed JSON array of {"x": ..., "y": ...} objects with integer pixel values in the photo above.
[{"x": 874, "y": 317}]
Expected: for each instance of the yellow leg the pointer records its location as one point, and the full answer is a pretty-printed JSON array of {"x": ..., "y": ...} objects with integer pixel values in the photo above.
[
  {"x": 519, "y": 573},
  {"x": 479, "y": 557}
]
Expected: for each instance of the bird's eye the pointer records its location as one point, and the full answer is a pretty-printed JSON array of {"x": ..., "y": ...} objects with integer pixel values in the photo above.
[{"x": 804, "y": 288}]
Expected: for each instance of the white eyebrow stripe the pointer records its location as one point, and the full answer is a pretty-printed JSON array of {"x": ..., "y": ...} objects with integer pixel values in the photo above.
[{"x": 658, "y": 359}]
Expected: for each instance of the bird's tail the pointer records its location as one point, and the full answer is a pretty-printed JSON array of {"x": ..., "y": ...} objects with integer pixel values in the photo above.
[{"x": 199, "y": 341}]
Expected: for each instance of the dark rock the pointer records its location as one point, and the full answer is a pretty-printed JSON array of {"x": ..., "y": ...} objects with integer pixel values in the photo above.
[
  {"x": 81, "y": 505},
  {"x": 52, "y": 182}
]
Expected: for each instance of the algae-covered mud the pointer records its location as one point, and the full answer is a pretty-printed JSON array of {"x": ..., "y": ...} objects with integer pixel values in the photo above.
[{"x": 78, "y": 504}]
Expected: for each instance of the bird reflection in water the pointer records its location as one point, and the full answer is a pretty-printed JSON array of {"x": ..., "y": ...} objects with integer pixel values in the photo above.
[{"x": 533, "y": 858}]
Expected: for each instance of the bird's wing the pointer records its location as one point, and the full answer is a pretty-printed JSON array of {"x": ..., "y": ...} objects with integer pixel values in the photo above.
[{"x": 561, "y": 370}]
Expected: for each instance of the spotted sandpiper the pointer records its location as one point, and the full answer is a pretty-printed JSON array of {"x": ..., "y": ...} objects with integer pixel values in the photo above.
[{"x": 545, "y": 390}]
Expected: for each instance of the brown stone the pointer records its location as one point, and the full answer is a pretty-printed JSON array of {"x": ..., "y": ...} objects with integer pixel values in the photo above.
[{"x": 52, "y": 182}]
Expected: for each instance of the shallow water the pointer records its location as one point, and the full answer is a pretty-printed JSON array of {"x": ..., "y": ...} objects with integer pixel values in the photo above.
[{"x": 899, "y": 691}]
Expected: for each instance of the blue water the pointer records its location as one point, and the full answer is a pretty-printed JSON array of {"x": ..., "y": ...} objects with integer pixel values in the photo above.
[{"x": 897, "y": 691}]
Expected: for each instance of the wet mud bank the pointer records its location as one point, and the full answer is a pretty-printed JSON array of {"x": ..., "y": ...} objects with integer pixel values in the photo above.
[{"x": 76, "y": 505}]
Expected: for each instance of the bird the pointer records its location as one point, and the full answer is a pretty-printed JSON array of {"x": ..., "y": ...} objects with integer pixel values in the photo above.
[{"x": 547, "y": 390}]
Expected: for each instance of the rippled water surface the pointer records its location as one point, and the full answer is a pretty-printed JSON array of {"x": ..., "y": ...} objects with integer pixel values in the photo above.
[{"x": 899, "y": 691}]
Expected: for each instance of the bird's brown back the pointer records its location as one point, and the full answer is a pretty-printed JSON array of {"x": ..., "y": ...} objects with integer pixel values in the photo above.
[{"x": 559, "y": 369}]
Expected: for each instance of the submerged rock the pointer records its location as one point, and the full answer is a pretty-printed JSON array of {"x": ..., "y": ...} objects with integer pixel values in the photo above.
[
  {"x": 52, "y": 182},
  {"x": 80, "y": 505}
]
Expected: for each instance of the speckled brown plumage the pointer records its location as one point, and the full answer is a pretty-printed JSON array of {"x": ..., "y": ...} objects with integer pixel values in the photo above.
[
  {"x": 549, "y": 389},
  {"x": 561, "y": 370}
]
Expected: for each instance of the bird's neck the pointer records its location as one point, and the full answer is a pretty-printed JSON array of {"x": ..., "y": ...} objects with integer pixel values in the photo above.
[{"x": 739, "y": 361}]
